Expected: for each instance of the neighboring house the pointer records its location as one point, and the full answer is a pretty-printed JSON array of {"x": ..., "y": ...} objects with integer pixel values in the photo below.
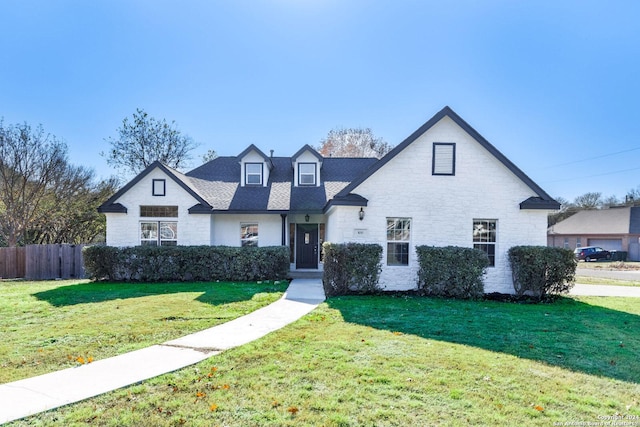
[
  {"x": 614, "y": 229},
  {"x": 443, "y": 185}
]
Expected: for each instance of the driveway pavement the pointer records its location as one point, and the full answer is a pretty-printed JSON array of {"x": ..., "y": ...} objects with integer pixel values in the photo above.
[
  {"x": 605, "y": 290},
  {"x": 633, "y": 275},
  {"x": 26, "y": 397}
]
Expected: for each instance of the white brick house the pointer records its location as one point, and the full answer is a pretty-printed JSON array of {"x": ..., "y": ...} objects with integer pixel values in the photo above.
[{"x": 443, "y": 185}]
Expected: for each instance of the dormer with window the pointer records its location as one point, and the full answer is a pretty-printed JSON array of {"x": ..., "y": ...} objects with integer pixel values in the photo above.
[
  {"x": 307, "y": 164},
  {"x": 255, "y": 167}
]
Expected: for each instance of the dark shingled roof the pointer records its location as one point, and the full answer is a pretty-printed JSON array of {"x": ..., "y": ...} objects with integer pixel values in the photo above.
[{"x": 218, "y": 182}]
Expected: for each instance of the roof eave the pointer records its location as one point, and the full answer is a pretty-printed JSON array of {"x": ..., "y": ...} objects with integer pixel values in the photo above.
[
  {"x": 540, "y": 203},
  {"x": 112, "y": 208}
]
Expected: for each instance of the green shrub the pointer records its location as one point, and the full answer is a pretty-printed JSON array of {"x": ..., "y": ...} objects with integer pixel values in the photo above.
[
  {"x": 99, "y": 261},
  {"x": 186, "y": 263},
  {"x": 539, "y": 271},
  {"x": 451, "y": 271},
  {"x": 351, "y": 268}
]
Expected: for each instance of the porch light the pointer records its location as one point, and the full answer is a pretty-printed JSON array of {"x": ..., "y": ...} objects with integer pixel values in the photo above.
[
  {"x": 306, "y": 218},
  {"x": 361, "y": 214}
]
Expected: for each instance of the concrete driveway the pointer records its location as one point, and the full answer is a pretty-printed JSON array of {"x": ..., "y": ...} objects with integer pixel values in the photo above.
[
  {"x": 606, "y": 290},
  {"x": 633, "y": 275}
]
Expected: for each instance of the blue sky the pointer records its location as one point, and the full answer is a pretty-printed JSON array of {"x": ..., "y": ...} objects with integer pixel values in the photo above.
[{"x": 554, "y": 85}]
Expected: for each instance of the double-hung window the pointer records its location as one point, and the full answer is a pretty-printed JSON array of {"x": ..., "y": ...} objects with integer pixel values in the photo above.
[
  {"x": 307, "y": 174},
  {"x": 155, "y": 232},
  {"x": 398, "y": 240},
  {"x": 485, "y": 237},
  {"x": 253, "y": 173},
  {"x": 248, "y": 234}
]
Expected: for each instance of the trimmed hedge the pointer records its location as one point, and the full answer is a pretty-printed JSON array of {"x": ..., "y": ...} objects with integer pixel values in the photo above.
[
  {"x": 539, "y": 271},
  {"x": 351, "y": 268},
  {"x": 451, "y": 271},
  {"x": 186, "y": 263}
]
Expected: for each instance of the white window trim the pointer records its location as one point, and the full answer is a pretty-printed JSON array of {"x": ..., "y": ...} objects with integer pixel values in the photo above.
[
  {"x": 494, "y": 243},
  {"x": 314, "y": 174},
  {"x": 405, "y": 241},
  {"x": 247, "y": 174},
  {"x": 158, "y": 239}
]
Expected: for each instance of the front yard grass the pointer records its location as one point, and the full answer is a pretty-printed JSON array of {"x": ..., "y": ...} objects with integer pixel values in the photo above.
[
  {"x": 402, "y": 361},
  {"x": 51, "y": 325}
]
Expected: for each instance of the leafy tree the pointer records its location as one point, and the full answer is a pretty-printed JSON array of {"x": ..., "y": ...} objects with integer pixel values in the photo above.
[
  {"x": 30, "y": 162},
  {"x": 143, "y": 140},
  {"x": 43, "y": 199},
  {"x": 70, "y": 213},
  {"x": 353, "y": 142}
]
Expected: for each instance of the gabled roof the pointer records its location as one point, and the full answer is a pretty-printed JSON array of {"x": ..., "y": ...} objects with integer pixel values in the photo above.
[
  {"x": 111, "y": 206},
  {"x": 251, "y": 148},
  {"x": 542, "y": 201},
  {"x": 310, "y": 149},
  {"x": 623, "y": 220}
]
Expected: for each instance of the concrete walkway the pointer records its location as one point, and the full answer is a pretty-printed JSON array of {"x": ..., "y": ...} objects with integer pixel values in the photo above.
[{"x": 33, "y": 395}]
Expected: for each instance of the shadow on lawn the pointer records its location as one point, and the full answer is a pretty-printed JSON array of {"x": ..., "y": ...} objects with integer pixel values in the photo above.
[
  {"x": 214, "y": 293},
  {"x": 568, "y": 333}
]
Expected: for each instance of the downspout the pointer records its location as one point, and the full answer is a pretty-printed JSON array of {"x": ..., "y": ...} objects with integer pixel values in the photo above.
[{"x": 284, "y": 229}]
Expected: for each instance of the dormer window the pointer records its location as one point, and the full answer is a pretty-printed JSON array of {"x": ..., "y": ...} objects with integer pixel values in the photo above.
[
  {"x": 307, "y": 174},
  {"x": 306, "y": 166},
  {"x": 253, "y": 173}
]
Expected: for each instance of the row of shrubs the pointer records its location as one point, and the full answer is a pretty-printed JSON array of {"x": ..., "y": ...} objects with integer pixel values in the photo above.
[
  {"x": 186, "y": 263},
  {"x": 350, "y": 268},
  {"x": 452, "y": 272}
]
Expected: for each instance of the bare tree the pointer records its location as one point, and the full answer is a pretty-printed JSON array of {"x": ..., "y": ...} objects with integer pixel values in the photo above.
[
  {"x": 353, "y": 142},
  {"x": 30, "y": 162},
  {"x": 144, "y": 140},
  {"x": 210, "y": 155},
  {"x": 588, "y": 201},
  {"x": 632, "y": 197}
]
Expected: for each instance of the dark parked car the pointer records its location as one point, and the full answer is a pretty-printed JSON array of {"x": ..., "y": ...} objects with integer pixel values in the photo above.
[{"x": 591, "y": 253}]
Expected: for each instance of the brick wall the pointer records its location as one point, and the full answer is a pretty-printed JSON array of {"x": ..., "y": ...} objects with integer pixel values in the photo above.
[{"x": 442, "y": 208}]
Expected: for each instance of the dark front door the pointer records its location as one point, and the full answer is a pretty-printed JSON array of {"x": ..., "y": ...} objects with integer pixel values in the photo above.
[{"x": 307, "y": 246}]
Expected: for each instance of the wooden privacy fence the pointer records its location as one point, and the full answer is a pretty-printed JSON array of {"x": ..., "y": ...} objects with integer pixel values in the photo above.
[
  {"x": 12, "y": 262},
  {"x": 41, "y": 262}
]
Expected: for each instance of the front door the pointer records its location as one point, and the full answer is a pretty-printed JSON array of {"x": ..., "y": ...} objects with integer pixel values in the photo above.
[{"x": 307, "y": 246}]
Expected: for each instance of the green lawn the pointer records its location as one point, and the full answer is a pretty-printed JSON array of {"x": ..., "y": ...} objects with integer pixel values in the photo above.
[
  {"x": 402, "y": 361},
  {"x": 52, "y": 325}
]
